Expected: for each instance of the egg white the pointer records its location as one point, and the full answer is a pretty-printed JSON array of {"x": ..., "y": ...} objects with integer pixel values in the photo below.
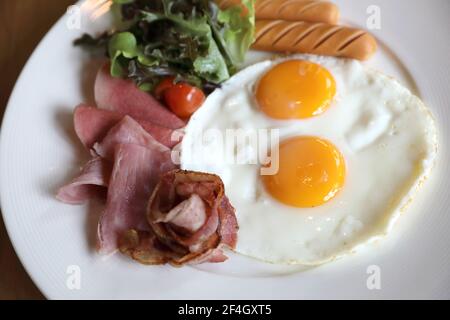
[{"x": 385, "y": 133}]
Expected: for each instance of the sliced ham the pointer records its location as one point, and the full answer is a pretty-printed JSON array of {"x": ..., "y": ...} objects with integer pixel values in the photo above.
[
  {"x": 127, "y": 131},
  {"x": 92, "y": 124},
  {"x": 135, "y": 173},
  {"x": 124, "y": 97},
  {"x": 154, "y": 213},
  {"x": 191, "y": 222},
  {"x": 93, "y": 178}
]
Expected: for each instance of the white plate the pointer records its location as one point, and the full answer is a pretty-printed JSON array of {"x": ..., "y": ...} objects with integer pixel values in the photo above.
[{"x": 39, "y": 152}]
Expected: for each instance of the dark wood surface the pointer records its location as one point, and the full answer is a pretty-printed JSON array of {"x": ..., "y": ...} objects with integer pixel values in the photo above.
[{"x": 22, "y": 24}]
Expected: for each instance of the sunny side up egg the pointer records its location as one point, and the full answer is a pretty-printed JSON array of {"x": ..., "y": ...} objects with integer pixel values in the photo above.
[{"x": 353, "y": 147}]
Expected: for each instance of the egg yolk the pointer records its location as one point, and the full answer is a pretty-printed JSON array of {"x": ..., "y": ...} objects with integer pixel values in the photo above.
[
  {"x": 295, "y": 89},
  {"x": 311, "y": 171}
]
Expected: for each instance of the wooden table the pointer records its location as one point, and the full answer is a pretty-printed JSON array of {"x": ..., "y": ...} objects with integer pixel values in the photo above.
[{"x": 22, "y": 24}]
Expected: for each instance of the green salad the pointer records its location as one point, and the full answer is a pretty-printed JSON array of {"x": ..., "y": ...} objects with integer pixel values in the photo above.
[{"x": 191, "y": 40}]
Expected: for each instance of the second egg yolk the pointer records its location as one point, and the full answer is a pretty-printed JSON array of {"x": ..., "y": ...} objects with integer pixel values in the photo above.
[
  {"x": 295, "y": 89},
  {"x": 311, "y": 171}
]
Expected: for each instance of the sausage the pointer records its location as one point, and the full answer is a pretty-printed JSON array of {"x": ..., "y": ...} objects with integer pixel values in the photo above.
[
  {"x": 293, "y": 10},
  {"x": 315, "y": 38},
  {"x": 297, "y": 10}
]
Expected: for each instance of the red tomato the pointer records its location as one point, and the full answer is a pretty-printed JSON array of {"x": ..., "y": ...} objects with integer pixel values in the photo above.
[
  {"x": 166, "y": 83},
  {"x": 183, "y": 99}
]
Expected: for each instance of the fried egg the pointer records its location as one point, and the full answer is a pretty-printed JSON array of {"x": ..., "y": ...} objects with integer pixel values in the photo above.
[{"x": 352, "y": 145}]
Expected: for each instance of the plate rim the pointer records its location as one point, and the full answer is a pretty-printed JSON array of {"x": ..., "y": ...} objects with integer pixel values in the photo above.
[{"x": 14, "y": 236}]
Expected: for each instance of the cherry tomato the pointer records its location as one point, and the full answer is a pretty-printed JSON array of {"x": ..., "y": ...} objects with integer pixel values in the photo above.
[
  {"x": 183, "y": 99},
  {"x": 166, "y": 83}
]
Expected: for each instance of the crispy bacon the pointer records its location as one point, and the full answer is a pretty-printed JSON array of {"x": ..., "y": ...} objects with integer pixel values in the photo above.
[{"x": 191, "y": 222}]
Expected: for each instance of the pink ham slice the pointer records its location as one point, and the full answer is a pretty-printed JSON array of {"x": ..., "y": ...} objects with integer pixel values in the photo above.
[
  {"x": 124, "y": 97},
  {"x": 92, "y": 125},
  {"x": 94, "y": 175},
  {"x": 135, "y": 173},
  {"x": 127, "y": 131}
]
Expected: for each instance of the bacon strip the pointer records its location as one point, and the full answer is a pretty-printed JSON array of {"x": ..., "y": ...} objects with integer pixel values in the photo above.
[{"x": 191, "y": 222}]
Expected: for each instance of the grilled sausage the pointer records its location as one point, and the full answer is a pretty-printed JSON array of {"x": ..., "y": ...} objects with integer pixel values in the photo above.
[
  {"x": 316, "y": 38},
  {"x": 293, "y": 10}
]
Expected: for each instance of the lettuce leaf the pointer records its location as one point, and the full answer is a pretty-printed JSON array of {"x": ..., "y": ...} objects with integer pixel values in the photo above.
[
  {"x": 212, "y": 67},
  {"x": 199, "y": 47},
  {"x": 192, "y": 40},
  {"x": 238, "y": 33},
  {"x": 124, "y": 45}
]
